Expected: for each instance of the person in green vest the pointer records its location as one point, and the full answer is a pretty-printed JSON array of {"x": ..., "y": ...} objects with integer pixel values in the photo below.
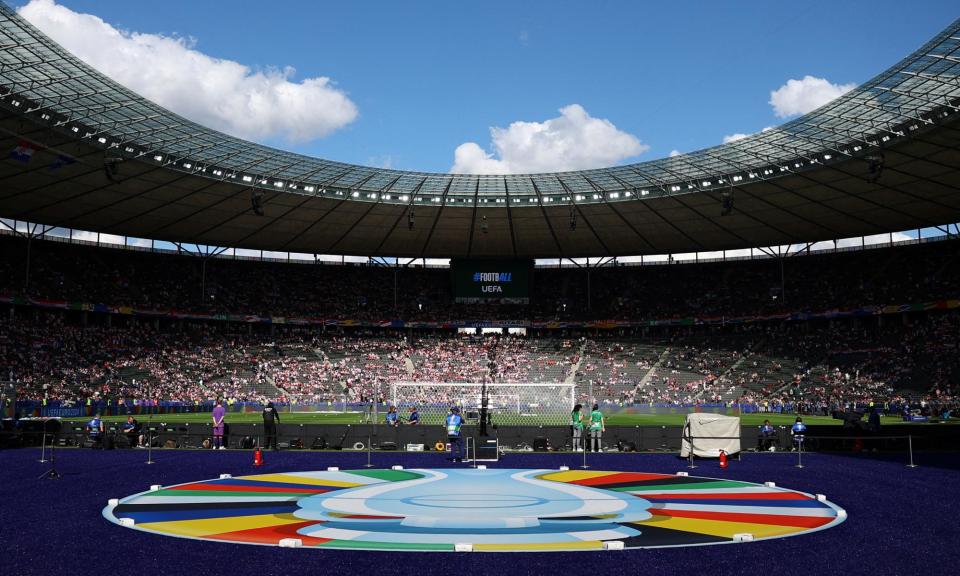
[
  {"x": 597, "y": 429},
  {"x": 576, "y": 427}
]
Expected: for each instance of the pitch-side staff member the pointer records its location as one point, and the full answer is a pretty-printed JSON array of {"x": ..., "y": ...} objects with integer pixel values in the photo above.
[
  {"x": 576, "y": 426},
  {"x": 597, "y": 429},
  {"x": 270, "y": 420},
  {"x": 454, "y": 421}
]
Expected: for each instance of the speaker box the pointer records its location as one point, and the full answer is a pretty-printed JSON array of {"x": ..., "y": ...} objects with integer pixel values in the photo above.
[
  {"x": 388, "y": 445},
  {"x": 319, "y": 443},
  {"x": 541, "y": 444}
]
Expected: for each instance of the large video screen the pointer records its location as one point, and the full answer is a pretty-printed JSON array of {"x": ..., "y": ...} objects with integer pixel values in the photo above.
[{"x": 491, "y": 281}]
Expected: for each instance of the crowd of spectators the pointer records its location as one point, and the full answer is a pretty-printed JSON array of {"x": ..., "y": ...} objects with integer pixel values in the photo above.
[
  {"x": 807, "y": 365},
  {"x": 814, "y": 367},
  {"x": 120, "y": 277}
]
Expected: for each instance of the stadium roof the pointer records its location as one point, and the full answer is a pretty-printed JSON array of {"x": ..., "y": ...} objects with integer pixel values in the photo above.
[{"x": 884, "y": 157}]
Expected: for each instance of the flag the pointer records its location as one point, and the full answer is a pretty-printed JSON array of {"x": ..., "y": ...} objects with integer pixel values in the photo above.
[
  {"x": 24, "y": 151},
  {"x": 60, "y": 162}
]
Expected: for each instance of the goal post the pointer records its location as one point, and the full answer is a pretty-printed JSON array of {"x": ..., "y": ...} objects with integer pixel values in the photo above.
[{"x": 509, "y": 403}]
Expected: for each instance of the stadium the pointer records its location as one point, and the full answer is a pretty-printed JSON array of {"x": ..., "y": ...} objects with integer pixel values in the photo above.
[{"x": 217, "y": 354}]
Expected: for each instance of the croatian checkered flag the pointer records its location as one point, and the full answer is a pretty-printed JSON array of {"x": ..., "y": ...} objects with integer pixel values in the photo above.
[{"x": 24, "y": 151}]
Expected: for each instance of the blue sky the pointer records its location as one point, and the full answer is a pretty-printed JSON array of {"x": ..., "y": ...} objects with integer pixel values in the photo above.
[{"x": 412, "y": 81}]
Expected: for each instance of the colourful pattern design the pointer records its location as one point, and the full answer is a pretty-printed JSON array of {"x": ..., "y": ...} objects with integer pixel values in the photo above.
[{"x": 493, "y": 510}]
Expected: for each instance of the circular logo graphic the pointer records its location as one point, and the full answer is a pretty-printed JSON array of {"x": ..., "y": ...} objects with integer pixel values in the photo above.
[{"x": 492, "y": 510}]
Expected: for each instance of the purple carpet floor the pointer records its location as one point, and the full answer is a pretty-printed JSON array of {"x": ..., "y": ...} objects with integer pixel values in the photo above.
[{"x": 900, "y": 520}]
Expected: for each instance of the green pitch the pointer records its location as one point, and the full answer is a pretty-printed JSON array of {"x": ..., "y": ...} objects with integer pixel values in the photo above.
[{"x": 358, "y": 418}]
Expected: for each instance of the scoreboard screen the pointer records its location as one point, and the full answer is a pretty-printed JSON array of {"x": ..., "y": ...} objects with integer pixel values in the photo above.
[{"x": 494, "y": 281}]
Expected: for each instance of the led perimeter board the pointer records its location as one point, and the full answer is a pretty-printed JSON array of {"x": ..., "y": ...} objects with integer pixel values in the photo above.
[{"x": 492, "y": 281}]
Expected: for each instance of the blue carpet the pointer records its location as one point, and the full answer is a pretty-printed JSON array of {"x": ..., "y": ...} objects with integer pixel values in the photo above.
[{"x": 901, "y": 520}]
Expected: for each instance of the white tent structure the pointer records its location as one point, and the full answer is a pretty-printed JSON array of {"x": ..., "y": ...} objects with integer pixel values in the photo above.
[{"x": 707, "y": 434}]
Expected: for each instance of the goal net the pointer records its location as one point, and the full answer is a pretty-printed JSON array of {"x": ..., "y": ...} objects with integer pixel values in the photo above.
[{"x": 510, "y": 404}]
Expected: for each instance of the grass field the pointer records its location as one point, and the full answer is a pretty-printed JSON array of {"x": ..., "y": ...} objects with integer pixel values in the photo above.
[{"x": 357, "y": 418}]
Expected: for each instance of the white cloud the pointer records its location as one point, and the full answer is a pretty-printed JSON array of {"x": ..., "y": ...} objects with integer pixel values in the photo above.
[
  {"x": 802, "y": 96},
  {"x": 222, "y": 94},
  {"x": 674, "y": 153},
  {"x": 740, "y": 136},
  {"x": 573, "y": 141},
  {"x": 734, "y": 137},
  {"x": 385, "y": 161}
]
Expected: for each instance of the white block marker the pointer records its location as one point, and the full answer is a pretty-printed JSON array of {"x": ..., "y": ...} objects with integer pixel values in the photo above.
[
  {"x": 481, "y": 467},
  {"x": 463, "y": 547},
  {"x": 613, "y": 545},
  {"x": 743, "y": 537},
  {"x": 113, "y": 502},
  {"x": 225, "y": 476},
  {"x": 821, "y": 498},
  {"x": 127, "y": 522},
  {"x": 333, "y": 469},
  {"x": 770, "y": 484},
  {"x": 290, "y": 543},
  {"x": 396, "y": 467},
  {"x": 682, "y": 474},
  {"x": 155, "y": 487}
]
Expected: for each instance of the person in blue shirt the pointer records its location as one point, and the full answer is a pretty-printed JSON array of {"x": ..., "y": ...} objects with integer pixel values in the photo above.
[
  {"x": 95, "y": 430},
  {"x": 798, "y": 431},
  {"x": 131, "y": 431},
  {"x": 392, "y": 418},
  {"x": 768, "y": 436},
  {"x": 414, "y": 418},
  {"x": 453, "y": 422}
]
